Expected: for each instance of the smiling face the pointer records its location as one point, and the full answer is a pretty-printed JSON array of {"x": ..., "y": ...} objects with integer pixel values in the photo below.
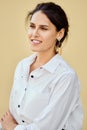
[{"x": 42, "y": 33}]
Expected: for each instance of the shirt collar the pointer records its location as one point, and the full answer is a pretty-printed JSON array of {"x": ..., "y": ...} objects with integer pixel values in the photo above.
[
  {"x": 32, "y": 58},
  {"x": 51, "y": 65}
]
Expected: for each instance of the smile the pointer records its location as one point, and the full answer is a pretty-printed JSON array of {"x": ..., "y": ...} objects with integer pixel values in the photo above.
[{"x": 34, "y": 41}]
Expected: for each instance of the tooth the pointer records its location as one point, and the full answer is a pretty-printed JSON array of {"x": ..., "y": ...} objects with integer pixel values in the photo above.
[{"x": 36, "y": 41}]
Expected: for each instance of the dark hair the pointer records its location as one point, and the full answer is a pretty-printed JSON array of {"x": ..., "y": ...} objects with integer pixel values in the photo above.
[{"x": 55, "y": 14}]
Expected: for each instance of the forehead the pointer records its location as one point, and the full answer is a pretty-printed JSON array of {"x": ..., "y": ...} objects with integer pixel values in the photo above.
[{"x": 40, "y": 18}]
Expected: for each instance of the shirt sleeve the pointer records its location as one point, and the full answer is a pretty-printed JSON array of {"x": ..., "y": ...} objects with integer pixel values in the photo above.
[
  {"x": 75, "y": 120},
  {"x": 63, "y": 102},
  {"x": 1, "y": 127}
]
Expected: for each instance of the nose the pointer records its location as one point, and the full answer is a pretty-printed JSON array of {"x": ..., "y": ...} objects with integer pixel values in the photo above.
[{"x": 35, "y": 32}]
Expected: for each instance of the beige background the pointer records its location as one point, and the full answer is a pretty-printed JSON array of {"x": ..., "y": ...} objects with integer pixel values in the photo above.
[{"x": 14, "y": 44}]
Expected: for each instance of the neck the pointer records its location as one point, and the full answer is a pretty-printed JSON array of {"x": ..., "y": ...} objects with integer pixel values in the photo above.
[{"x": 43, "y": 58}]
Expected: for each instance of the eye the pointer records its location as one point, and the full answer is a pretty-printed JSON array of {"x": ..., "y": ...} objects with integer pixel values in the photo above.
[
  {"x": 43, "y": 28},
  {"x": 31, "y": 26}
]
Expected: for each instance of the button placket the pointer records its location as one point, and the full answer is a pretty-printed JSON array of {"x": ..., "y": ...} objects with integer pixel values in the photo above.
[{"x": 37, "y": 73}]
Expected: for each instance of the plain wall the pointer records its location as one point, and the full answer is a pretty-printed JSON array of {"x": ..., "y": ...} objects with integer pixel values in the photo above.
[{"x": 14, "y": 44}]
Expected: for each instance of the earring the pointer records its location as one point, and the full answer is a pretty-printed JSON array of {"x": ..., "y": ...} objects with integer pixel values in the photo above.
[{"x": 59, "y": 47}]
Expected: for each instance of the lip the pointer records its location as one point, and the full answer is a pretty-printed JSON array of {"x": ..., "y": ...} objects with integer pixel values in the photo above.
[{"x": 35, "y": 41}]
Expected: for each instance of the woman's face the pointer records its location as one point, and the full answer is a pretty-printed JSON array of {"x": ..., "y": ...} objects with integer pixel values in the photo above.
[{"x": 42, "y": 33}]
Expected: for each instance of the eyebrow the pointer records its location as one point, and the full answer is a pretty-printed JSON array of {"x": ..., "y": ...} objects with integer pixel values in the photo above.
[{"x": 43, "y": 25}]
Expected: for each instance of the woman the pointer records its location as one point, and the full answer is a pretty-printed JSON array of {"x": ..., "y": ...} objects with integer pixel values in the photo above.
[{"x": 45, "y": 93}]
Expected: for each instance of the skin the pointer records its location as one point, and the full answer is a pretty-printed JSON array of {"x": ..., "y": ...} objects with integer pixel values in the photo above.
[
  {"x": 42, "y": 35},
  {"x": 8, "y": 122}
]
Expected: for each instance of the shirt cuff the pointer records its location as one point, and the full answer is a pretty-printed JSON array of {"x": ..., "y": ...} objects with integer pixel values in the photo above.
[
  {"x": 20, "y": 127},
  {"x": 1, "y": 127},
  {"x": 27, "y": 127}
]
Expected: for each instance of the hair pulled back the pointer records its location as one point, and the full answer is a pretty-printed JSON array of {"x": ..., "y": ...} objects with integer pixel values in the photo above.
[{"x": 56, "y": 15}]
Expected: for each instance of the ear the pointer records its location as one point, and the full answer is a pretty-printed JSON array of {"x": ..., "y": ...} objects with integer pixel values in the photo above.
[{"x": 60, "y": 34}]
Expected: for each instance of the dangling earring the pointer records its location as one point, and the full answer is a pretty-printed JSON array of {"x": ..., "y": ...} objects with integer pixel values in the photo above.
[{"x": 59, "y": 47}]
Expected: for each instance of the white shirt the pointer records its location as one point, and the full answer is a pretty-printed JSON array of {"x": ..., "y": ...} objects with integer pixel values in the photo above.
[{"x": 48, "y": 98}]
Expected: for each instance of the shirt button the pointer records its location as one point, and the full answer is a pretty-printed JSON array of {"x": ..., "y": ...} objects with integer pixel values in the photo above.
[
  {"x": 25, "y": 89},
  {"x": 21, "y": 76},
  {"x": 18, "y": 105},
  {"x": 32, "y": 76},
  {"x": 23, "y": 121}
]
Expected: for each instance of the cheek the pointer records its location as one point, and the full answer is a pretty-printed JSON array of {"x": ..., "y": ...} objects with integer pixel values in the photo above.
[
  {"x": 50, "y": 37},
  {"x": 29, "y": 34}
]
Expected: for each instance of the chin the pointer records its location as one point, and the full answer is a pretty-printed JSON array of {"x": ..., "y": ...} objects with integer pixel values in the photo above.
[{"x": 35, "y": 49}]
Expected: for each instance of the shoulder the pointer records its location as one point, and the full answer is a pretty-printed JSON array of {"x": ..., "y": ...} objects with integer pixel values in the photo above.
[
  {"x": 65, "y": 76},
  {"x": 65, "y": 70},
  {"x": 63, "y": 65}
]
